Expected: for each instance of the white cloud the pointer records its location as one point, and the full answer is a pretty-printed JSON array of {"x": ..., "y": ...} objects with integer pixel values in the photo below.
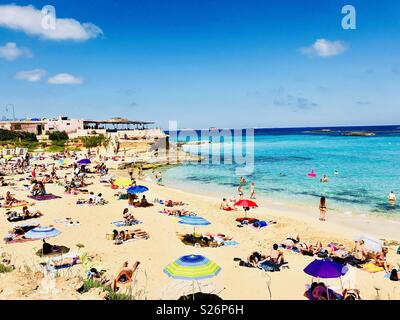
[
  {"x": 29, "y": 20},
  {"x": 31, "y": 75},
  {"x": 324, "y": 48},
  {"x": 10, "y": 51},
  {"x": 64, "y": 78}
]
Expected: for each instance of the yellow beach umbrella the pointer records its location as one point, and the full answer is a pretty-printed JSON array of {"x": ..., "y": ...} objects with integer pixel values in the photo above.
[{"x": 122, "y": 182}]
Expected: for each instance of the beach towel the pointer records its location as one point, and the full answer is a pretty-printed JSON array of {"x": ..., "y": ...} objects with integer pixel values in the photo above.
[
  {"x": 125, "y": 224},
  {"x": 371, "y": 267},
  {"x": 17, "y": 205},
  {"x": 8, "y": 241},
  {"x": 230, "y": 243},
  {"x": 48, "y": 196},
  {"x": 245, "y": 220},
  {"x": 270, "y": 266}
]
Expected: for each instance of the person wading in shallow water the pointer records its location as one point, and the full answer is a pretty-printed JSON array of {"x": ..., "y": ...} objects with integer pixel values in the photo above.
[{"x": 322, "y": 209}]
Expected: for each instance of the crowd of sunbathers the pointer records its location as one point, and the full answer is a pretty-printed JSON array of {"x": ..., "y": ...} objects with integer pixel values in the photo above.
[
  {"x": 269, "y": 262},
  {"x": 357, "y": 256},
  {"x": 204, "y": 240}
]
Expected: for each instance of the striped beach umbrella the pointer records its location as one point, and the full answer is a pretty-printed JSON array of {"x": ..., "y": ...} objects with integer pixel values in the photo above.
[
  {"x": 192, "y": 267},
  {"x": 137, "y": 189},
  {"x": 42, "y": 233}
]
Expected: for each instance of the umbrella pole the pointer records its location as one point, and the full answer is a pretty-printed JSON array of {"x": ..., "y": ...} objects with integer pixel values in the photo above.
[{"x": 193, "y": 288}]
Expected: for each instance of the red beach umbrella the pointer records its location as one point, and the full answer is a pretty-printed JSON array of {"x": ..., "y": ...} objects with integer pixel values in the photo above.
[{"x": 246, "y": 203}]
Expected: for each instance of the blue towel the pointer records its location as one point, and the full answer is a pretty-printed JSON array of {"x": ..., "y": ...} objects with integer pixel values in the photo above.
[
  {"x": 231, "y": 243},
  {"x": 260, "y": 224},
  {"x": 123, "y": 224}
]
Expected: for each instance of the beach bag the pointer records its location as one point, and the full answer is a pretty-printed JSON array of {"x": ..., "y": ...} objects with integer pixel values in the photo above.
[
  {"x": 322, "y": 254},
  {"x": 394, "y": 276}
]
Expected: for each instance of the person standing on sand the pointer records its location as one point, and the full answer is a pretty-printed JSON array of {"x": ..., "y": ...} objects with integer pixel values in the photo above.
[
  {"x": 252, "y": 191},
  {"x": 322, "y": 209},
  {"x": 240, "y": 191}
]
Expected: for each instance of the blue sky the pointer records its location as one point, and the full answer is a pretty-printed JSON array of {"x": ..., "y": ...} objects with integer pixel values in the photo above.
[{"x": 205, "y": 63}]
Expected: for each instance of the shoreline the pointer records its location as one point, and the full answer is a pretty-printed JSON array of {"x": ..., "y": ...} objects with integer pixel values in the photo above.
[{"x": 378, "y": 226}]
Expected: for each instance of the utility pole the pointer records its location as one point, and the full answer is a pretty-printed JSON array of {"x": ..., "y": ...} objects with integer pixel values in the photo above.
[{"x": 11, "y": 105}]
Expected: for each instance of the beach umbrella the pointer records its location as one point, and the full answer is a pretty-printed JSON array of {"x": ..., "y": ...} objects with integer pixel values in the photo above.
[
  {"x": 192, "y": 268},
  {"x": 122, "y": 182},
  {"x": 194, "y": 221},
  {"x": 370, "y": 243},
  {"x": 137, "y": 189},
  {"x": 42, "y": 232},
  {"x": 325, "y": 269},
  {"x": 246, "y": 203},
  {"x": 84, "y": 161}
]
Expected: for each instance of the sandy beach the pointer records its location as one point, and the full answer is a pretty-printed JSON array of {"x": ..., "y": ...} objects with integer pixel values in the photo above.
[{"x": 163, "y": 246}]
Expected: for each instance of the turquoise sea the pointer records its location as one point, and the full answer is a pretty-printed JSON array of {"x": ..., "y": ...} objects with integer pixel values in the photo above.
[{"x": 368, "y": 168}]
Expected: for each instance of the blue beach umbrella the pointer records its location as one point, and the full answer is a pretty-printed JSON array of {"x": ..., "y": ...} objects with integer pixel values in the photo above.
[
  {"x": 83, "y": 161},
  {"x": 42, "y": 233},
  {"x": 194, "y": 221},
  {"x": 137, "y": 189}
]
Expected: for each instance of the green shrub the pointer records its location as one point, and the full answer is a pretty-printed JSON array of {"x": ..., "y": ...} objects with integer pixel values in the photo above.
[
  {"x": 8, "y": 135},
  {"x": 90, "y": 284},
  {"x": 58, "y": 135},
  {"x": 5, "y": 269}
]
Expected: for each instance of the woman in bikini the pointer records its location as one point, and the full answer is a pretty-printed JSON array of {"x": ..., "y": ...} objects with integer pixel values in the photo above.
[
  {"x": 322, "y": 209},
  {"x": 125, "y": 275}
]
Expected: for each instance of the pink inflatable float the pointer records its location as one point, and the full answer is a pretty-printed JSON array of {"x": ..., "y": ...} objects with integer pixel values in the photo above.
[{"x": 312, "y": 174}]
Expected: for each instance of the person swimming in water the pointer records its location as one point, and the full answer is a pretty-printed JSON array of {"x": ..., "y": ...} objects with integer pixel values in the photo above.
[
  {"x": 336, "y": 173},
  {"x": 324, "y": 179},
  {"x": 392, "y": 197}
]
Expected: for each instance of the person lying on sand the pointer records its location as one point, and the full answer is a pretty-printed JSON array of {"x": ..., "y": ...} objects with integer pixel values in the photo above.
[
  {"x": 4, "y": 183},
  {"x": 225, "y": 205},
  {"x": 252, "y": 260},
  {"x": 177, "y": 212},
  {"x": 170, "y": 203},
  {"x": 125, "y": 275},
  {"x": 17, "y": 233},
  {"x": 65, "y": 262},
  {"x": 10, "y": 200},
  {"x": 120, "y": 237},
  {"x": 290, "y": 242}
]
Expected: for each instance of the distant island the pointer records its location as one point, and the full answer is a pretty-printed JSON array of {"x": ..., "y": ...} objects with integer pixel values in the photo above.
[{"x": 359, "y": 134}]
